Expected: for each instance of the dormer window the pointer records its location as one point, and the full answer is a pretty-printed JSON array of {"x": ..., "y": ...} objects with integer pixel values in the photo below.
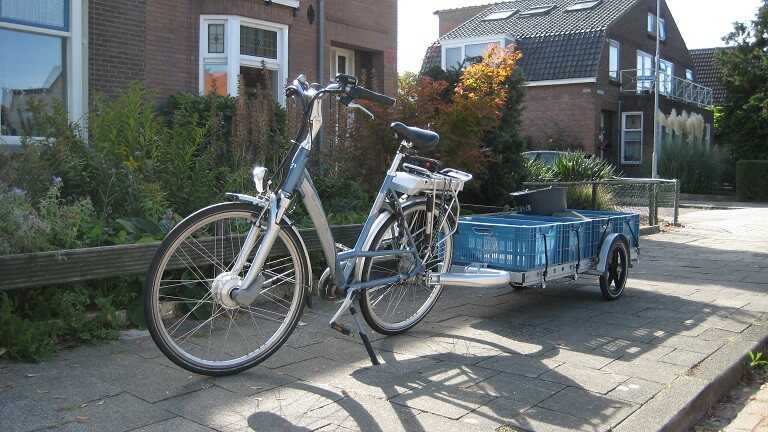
[
  {"x": 583, "y": 5},
  {"x": 535, "y": 11},
  {"x": 500, "y": 15},
  {"x": 652, "y": 26}
]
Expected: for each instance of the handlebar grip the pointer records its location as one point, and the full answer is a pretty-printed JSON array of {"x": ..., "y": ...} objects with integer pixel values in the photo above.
[{"x": 365, "y": 94}]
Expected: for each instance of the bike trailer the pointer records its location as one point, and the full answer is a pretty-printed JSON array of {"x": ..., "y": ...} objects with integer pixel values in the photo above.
[{"x": 534, "y": 249}]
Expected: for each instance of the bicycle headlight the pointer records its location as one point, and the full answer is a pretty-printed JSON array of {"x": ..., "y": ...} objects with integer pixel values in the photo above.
[{"x": 258, "y": 177}]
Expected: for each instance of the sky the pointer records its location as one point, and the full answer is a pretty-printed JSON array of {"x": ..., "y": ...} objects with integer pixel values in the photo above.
[{"x": 703, "y": 23}]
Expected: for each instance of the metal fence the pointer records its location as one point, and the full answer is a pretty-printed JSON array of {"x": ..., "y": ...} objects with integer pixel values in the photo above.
[{"x": 653, "y": 199}]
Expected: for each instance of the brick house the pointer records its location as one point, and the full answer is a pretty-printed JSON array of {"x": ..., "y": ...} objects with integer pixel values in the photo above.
[
  {"x": 589, "y": 70},
  {"x": 71, "y": 49}
]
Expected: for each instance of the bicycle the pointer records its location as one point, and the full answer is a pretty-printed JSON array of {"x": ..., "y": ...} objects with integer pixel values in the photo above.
[{"x": 228, "y": 284}]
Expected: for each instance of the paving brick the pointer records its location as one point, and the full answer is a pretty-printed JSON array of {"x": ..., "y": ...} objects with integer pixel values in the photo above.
[
  {"x": 592, "y": 360},
  {"x": 519, "y": 392},
  {"x": 119, "y": 413},
  {"x": 21, "y": 415},
  {"x": 446, "y": 401},
  {"x": 176, "y": 424},
  {"x": 635, "y": 390},
  {"x": 590, "y": 379},
  {"x": 683, "y": 358},
  {"x": 592, "y": 407},
  {"x": 655, "y": 371},
  {"x": 519, "y": 364}
]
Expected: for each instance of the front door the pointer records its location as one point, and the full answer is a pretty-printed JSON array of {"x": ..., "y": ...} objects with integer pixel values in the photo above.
[{"x": 606, "y": 138}]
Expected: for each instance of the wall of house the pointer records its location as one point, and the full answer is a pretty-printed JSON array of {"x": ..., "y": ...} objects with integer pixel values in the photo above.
[
  {"x": 157, "y": 40},
  {"x": 631, "y": 32},
  {"x": 571, "y": 109},
  {"x": 449, "y": 19},
  {"x": 644, "y": 104},
  {"x": 116, "y": 30}
]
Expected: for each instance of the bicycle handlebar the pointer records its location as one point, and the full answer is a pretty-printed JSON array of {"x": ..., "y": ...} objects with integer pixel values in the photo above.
[
  {"x": 365, "y": 94},
  {"x": 344, "y": 85}
]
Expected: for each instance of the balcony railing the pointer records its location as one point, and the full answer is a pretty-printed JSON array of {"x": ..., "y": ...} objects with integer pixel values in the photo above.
[{"x": 670, "y": 86}]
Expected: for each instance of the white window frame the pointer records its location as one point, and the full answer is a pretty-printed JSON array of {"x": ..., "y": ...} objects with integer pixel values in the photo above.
[
  {"x": 232, "y": 56},
  {"x": 503, "y": 41},
  {"x": 624, "y": 116},
  {"x": 76, "y": 61},
  {"x": 289, "y": 3},
  {"x": 614, "y": 75},
  {"x": 658, "y": 22},
  {"x": 689, "y": 75},
  {"x": 647, "y": 83},
  {"x": 351, "y": 61},
  {"x": 666, "y": 78}
]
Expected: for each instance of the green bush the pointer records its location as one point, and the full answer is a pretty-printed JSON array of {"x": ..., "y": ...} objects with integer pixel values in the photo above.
[
  {"x": 576, "y": 167},
  {"x": 34, "y": 323},
  {"x": 571, "y": 167},
  {"x": 752, "y": 180},
  {"x": 700, "y": 167},
  {"x": 54, "y": 223},
  {"x": 580, "y": 198}
]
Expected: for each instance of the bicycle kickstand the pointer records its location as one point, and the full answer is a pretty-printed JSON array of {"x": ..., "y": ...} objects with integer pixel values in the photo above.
[{"x": 347, "y": 305}]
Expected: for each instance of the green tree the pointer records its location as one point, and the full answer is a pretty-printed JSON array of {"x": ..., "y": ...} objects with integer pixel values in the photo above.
[{"x": 744, "y": 124}]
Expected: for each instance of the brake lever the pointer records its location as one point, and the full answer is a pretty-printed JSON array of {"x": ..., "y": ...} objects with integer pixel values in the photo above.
[{"x": 362, "y": 108}]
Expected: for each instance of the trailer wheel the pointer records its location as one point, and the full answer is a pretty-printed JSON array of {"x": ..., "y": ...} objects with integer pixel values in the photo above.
[{"x": 614, "y": 279}]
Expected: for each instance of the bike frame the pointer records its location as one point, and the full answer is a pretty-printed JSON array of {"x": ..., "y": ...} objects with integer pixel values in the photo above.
[{"x": 340, "y": 264}]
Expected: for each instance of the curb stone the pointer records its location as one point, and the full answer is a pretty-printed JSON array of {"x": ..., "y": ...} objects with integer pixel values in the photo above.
[{"x": 687, "y": 399}]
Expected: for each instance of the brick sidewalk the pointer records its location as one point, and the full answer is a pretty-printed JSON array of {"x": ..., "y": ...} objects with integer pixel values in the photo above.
[{"x": 541, "y": 360}]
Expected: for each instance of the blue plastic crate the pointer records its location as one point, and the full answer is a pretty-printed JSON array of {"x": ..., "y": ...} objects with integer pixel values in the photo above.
[
  {"x": 507, "y": 244},
  {"x": 573, "y": 237},
  {"x": 614, "y": 222}
]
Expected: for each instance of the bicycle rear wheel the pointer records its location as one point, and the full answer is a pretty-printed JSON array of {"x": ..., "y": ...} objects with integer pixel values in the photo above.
[
  {"x": 396, "y": 308},
  {"x": 188, "y": 307}
]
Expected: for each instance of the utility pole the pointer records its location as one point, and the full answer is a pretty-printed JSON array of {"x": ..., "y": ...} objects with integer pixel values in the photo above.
[{"x": 656, "y": 137}]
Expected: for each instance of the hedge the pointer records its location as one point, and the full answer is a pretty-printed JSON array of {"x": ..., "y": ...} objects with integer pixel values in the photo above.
[{"x": 752, "y": 180}]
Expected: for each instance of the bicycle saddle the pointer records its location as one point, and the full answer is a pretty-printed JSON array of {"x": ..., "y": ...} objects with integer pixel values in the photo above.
[{"x": 423, "y": 139}]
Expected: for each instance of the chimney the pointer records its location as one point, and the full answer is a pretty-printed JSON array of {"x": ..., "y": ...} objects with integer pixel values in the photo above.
[{"x": 451, "y": 18}]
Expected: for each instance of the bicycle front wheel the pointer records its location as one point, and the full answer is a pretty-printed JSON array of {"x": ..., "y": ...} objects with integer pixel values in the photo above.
[
  {"x": 396, "y": 308},
  {"x": 188, "y": 307}
]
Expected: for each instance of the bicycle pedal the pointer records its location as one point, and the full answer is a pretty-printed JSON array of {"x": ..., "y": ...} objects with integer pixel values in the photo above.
[{"x": 341, "y": 329}]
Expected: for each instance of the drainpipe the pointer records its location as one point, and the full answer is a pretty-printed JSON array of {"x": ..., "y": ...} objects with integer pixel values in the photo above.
[{"x": 320, "y": 58}]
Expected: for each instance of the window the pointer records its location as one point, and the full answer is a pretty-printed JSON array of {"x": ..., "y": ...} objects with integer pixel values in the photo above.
[
  {"x": 216, "y": 38},
  {"x": 258, "y": 42},
  {"x": 41, "y": 61},
  {"x": 644, "y": 71},
  {"x": 342, "y": 61},
  {"x": 632, "y": 138},
  {"x": 689, "y": 75},
  {"x": 652, "y": 26},
  {"x": 242, "y": 53},
  {"x": 666, "y": 72},
  {"x": 613, "y": 59},
  {"x": 539, "y": 10},
  {"x": 500, "y": 15},
  {"x": 454, "y": 56},
  {"x": 478, "y": 50},
  {"x": 583, "y": 5}
]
